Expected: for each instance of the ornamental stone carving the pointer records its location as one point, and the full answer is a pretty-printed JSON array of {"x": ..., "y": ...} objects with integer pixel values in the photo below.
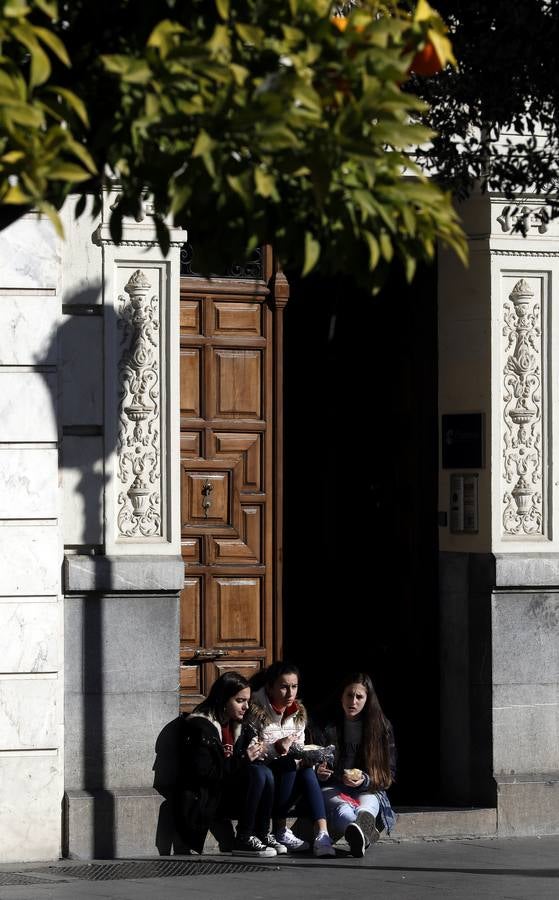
[
  {"x": 522, "y": 413},
  {"x": 139, "y": 417}
]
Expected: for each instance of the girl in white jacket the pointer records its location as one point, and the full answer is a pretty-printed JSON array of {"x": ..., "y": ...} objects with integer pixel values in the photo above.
[{"x": 280, "y": 720}]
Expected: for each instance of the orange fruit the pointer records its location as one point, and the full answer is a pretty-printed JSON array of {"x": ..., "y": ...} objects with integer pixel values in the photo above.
[{"x": 426, "y": 61}]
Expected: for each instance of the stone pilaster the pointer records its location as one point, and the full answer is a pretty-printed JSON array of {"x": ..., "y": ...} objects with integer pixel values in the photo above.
[
  {"x": 499, "y": 585},
  {"x": 122, "y": 604}
]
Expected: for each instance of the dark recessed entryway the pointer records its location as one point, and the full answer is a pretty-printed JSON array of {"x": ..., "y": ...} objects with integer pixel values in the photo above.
[{"x": 361, "y": 504}]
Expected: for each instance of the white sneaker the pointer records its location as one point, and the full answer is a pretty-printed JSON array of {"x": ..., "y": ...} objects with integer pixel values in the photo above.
[
  {"x": 290, "y": 841},
  {"x": 355, "y": 839},
  {"x": 271, "y": 841},
  {"x": 323, "y": 845},
  {"x": 250, "y": 845}
]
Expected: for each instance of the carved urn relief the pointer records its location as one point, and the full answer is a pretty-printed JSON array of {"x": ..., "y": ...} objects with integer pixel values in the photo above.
[
  {"x": 139, "y": 425},
  {"x": 522, "y": 413}
]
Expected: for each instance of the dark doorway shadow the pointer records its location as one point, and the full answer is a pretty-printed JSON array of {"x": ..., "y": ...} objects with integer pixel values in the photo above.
[{"x": 361, "y": 537}]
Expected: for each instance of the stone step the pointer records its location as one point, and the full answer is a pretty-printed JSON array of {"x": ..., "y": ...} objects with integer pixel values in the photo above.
[
  {"x": 432, "y": 822},
  {"x": 425, "y": 823}
]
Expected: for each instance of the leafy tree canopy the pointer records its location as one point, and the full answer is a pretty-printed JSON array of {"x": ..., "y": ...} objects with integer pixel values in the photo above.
[
  {"x": 497, "y": 113},
  {"x": 249, "y": 122}
]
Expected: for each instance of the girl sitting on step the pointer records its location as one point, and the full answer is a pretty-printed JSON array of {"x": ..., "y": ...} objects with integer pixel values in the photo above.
[
  {"x": 279, "y": 720},
  {"x": 365, "y": 764},
  {"x": 218, "y": 773}
]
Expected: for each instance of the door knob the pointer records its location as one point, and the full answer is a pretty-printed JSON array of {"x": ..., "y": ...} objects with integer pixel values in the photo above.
[{"x": 207, "y": 488}]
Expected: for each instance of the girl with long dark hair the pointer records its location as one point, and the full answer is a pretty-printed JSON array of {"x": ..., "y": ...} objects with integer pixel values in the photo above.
[
  {"x": 219, "y": 775},
  {"x": 280, "y": 719},
  {"x": 365, "y": 762}
]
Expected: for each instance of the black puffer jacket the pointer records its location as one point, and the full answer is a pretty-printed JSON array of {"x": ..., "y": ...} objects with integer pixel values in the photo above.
[{"x": 203, "y": 770}]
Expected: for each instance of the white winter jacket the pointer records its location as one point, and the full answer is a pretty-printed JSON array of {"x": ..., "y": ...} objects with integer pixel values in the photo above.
[{"x": 272, "y": 726}]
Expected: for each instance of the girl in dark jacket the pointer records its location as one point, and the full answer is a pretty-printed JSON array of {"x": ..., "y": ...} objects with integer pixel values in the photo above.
[
  {"x": 218, "y": 772},
  {"x": 365, "y": 763}
]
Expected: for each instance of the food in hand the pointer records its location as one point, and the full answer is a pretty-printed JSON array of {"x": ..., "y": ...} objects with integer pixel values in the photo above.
[{"x": 353, "y": 774}]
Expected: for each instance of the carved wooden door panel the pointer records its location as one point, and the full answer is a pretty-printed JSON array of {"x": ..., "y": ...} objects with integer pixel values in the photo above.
[{"x": 231, "y": 458}]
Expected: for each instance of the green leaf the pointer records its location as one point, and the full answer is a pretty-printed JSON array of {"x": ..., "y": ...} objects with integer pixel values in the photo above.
[
  {"x": 305, "y": 94},
  {"x": 66, "y": 171},
  {"x": 236, "y": 184},
  {"x": 54, "y": 43},
  {"x": 410, "y": 265},
  {"x": 374, "y": 250},
  {"x": 312, "y": 253},
  {"x": 24, "y": 114},
  {"x": 16, "y": 8},
  {"x": 220, "y": 41},
  {"x": 163, "y": 36},
  {"x": 365, "y": 202},
  {"x": 73, "y": 101},
  {"x": 40, "y": 64},
  {"x": 386, "y": 246},
  {"x": 49, "y": 7},
  {"x": 222, "y": 7},
  {"x": 250, "y": 34},
  {"x": 409, "y": 219},
  {"x": 117, "y": 63},
  {"x": 15, "y": 195},
  {"x": 293, "y": 35},
  {"x": 48, "y": 209},
  {"x": 134, "y": 71},
  {"x": 265, "y": 183},
  {"x": 13, "y": 157},
  {"x": 240, "y": 73},
  {"x": 203, "y": 144}
]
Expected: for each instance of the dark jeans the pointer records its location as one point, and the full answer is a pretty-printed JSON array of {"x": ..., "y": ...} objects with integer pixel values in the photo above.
[
  {"x": 248, "y": 797},
  {"x": 294, "y": 784}
]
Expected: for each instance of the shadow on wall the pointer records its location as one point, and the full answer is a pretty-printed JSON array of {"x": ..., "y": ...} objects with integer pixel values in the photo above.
[{"x": 78, "y": 408}]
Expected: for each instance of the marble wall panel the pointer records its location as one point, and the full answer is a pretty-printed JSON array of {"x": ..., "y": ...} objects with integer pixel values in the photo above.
[
  {"x": 29, "y": 254},
  {"x": 83, "y": 481},
  {"x": 82, "y": 271},
  {"x": 121, "y": 644},
  {"x": 110, "y": 739},
  {"x": 28, "y": 403},
  {"x": 28, "y": 330},
  {"x": 29, "y": 712},
  {"x": 30, "y": 560},
  {"x": 28, "y": 483},
  {"x": 29, "y": 636},
  {"x": 30, "y": 807},
  {"x": 81, "y": 347},
  {"x": 526, "y": 638},
  {"x": 526, "y": 738}
]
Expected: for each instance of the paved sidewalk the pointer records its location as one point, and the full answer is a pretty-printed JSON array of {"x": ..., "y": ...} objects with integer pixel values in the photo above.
[{"x": 501, "y": 869}]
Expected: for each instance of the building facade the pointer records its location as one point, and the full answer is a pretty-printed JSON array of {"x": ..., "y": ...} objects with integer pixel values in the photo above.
[{"x": 141, "y": 518}]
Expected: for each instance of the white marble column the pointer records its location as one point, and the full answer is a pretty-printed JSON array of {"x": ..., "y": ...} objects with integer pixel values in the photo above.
[{"x": 31, "y": 689}]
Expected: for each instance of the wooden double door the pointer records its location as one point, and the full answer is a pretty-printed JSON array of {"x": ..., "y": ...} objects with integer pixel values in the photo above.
[{"x": 231, "y": 474}]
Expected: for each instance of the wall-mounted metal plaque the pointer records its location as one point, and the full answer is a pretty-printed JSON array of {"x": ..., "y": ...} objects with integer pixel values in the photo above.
[{"x": 462, "y": 441}]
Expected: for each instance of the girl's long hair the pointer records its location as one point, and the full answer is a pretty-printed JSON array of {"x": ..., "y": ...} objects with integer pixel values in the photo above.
[
  {"x": 375, "y": 743},
  {"x": 226, "y": 686}
]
